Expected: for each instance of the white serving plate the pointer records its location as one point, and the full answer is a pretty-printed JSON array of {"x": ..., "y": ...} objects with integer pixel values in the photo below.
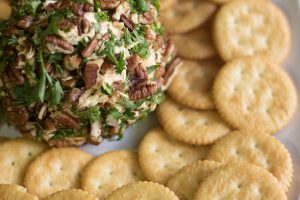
[{"x": 290, "y": 136}]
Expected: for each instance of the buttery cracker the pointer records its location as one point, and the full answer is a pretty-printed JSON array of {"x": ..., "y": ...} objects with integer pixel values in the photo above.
[
  {"x": 191, "y": 126},
  {"x": 187, "y": 15},
  {"x": 186, "y": 181},
  {"x": 255, "y": 93},
  {"x": 247, "y": 28},
  {"x": 256, "y": 148},
  {"x": 72, "y": 194},
  {"x": 5, "y": 10},
  {"x": 143, "y": 191},
  {"x": 15, "y": 192},
  {"x": 240, "y": 181},
  {"x": 15, "y": 157},
  {"x": 110, "y": 171},
  {"x": 160, "y": 156},
  {"x": 193, "y": 84},
  {"x": 56, "y": 170},
  {"x": 196, "y": 44}
]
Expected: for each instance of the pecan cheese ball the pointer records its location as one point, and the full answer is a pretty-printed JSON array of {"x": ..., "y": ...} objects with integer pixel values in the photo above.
[{"x": 80, "y": 71}]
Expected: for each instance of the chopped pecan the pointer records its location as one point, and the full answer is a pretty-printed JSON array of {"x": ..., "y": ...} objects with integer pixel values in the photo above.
[
  {"x": 88, "y": 7},
  {"x": 107, "y": 65},
  {"x": 90, "y": 48},
  {"x": 159, "y": 42},
  {"x": 109, "y": 4},
  {"x": 18, "y": 116},
  {"x": 132, "y": 62},
  {"x": 85, "y": 25},
  {"x": 117, "y": 85},
  {"x": 20, "y": 62},
  {"x": 74, "y": 95},
  {"x": 147, "y": 18},
  {"x": 65, "y": 24},
  {"x": 25, "y": 21},
  {"x": 12, "y": 30},
  {"x": 70, "y": 83},
  {"x": 77, "y": 8},
  {"x": 49, "y": 125},
  {"x": 10, "y": 51},
  {"x": 90, "y": 75},
  {"x": 16, "y": 76},
  {"x": 142, "y": 90},
  {"x": 72, "y": 62},
  {"x": 71, "y": 141},
  {"x": 60, "y": 43},
  {"x": 59, "y": 5},
  {"x": 171, "y": 68},
  {"x": 79, "y": 26},
  {"x": 149, "y": 34},
  {"x": 169, "y": 50},
  {"x": 159, "y": 72},
  {"x": 127, "y": 22},
  {"x": 138, "y": 73},
  {"x": 67, "y": 121},
  {"x": 49, "y": 68}
]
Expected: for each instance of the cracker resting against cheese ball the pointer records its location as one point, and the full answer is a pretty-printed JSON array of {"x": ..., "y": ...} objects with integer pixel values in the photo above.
[{"x": 78, "y": 72}]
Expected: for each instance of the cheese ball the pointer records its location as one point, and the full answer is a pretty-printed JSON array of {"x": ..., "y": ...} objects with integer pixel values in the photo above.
[{"x": 80, "y": 71}]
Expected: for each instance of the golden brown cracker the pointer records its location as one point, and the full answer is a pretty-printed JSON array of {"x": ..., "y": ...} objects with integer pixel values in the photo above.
[
  {"x": 15, "y": 192},
  {"x": 255, "y": 93},
  {"x": 191, "y": 126},
  {"x": 160, "y": 156},
  {"x": 72, "y": 194},
  {"x": 15, "y": 157},
  {"x": 240, "y": 181},
  {"x": 186, "y": 181},
  {"x": 248, "y": 28},
  {"x": 143, "y": 191},
  {"x": 187, "y": 15},
  {"x": 55, "y": 170},
  {"x": 110, "y": 171},
  {"x": 5, "y": 10},
  {"x": 256, "y": 148},
  {"x": 193, "y": 83}
]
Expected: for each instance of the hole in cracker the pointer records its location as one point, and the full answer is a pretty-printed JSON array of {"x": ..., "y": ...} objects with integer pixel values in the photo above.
[
  {"x": 13, "y": 163},
  {"x": 99, "y": 186},
  {"x": 29, "y": 154},
  {"x": 111, "y": 173},
  {"x": 50, "y": 184}
]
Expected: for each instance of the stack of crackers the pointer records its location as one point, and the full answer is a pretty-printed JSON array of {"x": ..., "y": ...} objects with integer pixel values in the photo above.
[{"x": 215, "y": 141}]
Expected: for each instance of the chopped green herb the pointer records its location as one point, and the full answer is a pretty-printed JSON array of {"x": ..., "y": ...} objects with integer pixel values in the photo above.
[
  {"x": 156, "y": 4},
  {"x": 152, "y": 68},
  {"x": 159, "y": 29},
  {"x": 24, "y": 94},
  {"x": 52, "y": 28},
  {"x": 107, "y": 89},
  {"x": 138, "y": 6},
  {"x": 102, "y": 16},
  {"x": 56, "y": 92},
  {"x": 141, "y": 49},
  {"x": 63, "y": 133},
  {"x": 81, "y": 1},
  {"x": 56, "y": 59},
  {"x": 120, "y": 65},
  {"x": 158, "y": 97},
  {"x": 115, "y": 113},
  {"x": 13, "y": 40},
  {"x": 41, "y": 86},
  {"x": 91, "y": 115},
  {"x": 29, "y": 8}
]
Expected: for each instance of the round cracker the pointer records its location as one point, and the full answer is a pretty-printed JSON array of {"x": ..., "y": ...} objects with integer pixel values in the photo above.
[
  {"x": 160, "y": 156},
  {"x": 247, "y": 27},
  {"x": 15, "y": 157},
  {"x": 254, "y": 93},
  {"x": 256, "y": 148},
  {"x": 72, "y": 194},
  {"x": 191, "y": 126},
  {"x": 180, "y": 19},
  {"x": 5, "y": 10},
  {"x": 197, "y": 44},
  {"x": 110, "y": 171},
  {"x": 165, "y": 4},
  {"x": 143, "y": 190},
  {"x": 56, "y": 170},
  {"x": 240, "y": 181},
  {"x": 15, "y": 192},
  {"x": 192, "y": 86},
  {"x": 187, "y": 180}
]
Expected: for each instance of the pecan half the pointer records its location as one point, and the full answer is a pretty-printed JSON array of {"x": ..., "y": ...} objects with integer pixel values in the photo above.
[
  {"x": 171, "y": 68},
  {"x": 59, "y": 5},
  {"x": 85, "y": 25},
  {"x": 132, "y": 62},
  {"x": 90, "y": 75},
  {"x": 79, "y": 26},
  {"x": 127, "y": 22},
  {"x": 72, "y": 62},
  {"x": 158, "y": 42},
  {"x": 74, "y": 95},
  {"x": 77, "y": 8},
  {"x": 60, "y": 43},
  {"x": 25, "y": 21},
  {"x": 88, "y": 7},
  {"x": 142, "y": 90},
  {"x": 18, "y": 116},
  {"x": 109, "y": 4},
  {"x": 49, "y": 125},
  {"x": 16, "y": 76},
  {"x": 138, "y": 73},
  {"x": 90, "y": 48},
  {"x": 72, "y": 141},
  {"x": 65, "y": 24},
  {"x": 169, "y": 50},
  {"x": 70, "y": 83},
  {"x": 67, "y": 121},
  {"x": 107, "y": 65}
]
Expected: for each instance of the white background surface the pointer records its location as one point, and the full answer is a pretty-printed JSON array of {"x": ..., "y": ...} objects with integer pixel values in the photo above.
[{"x": 290, "y": 136}]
